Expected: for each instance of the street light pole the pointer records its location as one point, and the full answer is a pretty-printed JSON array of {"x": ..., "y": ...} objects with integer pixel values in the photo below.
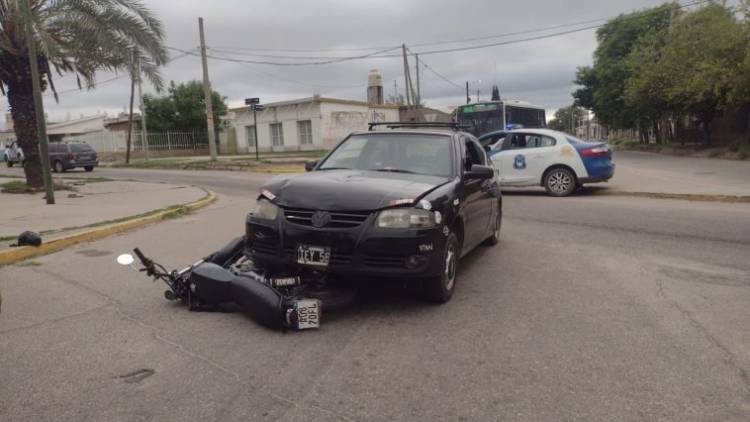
[
  {"x": 255, "y": 132},
  {"x": 41, "y": 127},
  {"x": 254, "y": 103}
]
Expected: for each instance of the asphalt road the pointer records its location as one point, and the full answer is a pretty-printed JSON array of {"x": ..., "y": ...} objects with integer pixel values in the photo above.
[{"x": 591, "y": 308}]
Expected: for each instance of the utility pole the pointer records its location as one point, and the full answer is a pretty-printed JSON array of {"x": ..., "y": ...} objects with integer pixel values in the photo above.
[
  {"x": 406, "y": 75},
  {"x": 41, "y": 127},
  {"x": 144, "y": 130},
  {"x": 207, "y": 95},
  {"x": 419, "y": 91},
  {"x": 128, "y": 143},
  {"x": 468, "y": 99}
]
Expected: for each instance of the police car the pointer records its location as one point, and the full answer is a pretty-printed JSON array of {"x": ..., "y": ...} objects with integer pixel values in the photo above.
[{"x": 541, "y": 157}]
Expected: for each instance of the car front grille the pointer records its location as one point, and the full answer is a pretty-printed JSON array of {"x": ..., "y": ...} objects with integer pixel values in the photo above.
[
  {"x": 265, "y": 246},
  {"x": 384, "y": 261},
  {"x": 338, "y": 220}
]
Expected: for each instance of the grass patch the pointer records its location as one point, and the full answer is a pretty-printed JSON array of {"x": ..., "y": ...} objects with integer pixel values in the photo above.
[
  {"x": 29, "y": 264},
  {"x": 95, "y": 179},
  {"x": 19, "y": 186},
  {"x": 233, "y": 164},
  {"x": 11, "y": 176}
]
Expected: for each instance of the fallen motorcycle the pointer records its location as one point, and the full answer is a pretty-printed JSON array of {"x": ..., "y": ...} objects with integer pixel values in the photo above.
[{"x": 229, "y": 276}]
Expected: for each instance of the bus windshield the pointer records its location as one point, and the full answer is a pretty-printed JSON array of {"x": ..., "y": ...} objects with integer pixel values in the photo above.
[{"x": 481, "y": 118}]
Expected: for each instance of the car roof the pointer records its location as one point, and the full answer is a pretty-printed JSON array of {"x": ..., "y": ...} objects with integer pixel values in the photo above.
[
  {"x": 406, "y": 131},
  {"x": 541, "y": 131}
]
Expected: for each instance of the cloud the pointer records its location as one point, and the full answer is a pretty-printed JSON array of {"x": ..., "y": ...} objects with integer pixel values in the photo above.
[{"x": 539, "y": 71}]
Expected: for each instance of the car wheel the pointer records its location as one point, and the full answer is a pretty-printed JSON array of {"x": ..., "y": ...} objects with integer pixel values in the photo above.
[
  {"x": 89, "y": 169},
  {"x": 494, "y": 239},
  {"x": 440, "y": 289},
  {"x": 59, "y": 167},
  {"x": 9, "y": 163},
  {"x": 560, "y": 182}
]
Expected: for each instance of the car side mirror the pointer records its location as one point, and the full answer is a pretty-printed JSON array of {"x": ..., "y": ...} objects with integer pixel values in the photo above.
[
  {"x": 310, "y": 165},
  {"x": 480, "y": 172}
]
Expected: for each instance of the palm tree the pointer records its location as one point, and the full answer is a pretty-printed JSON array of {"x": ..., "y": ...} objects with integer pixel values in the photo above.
[{"x": 78, "y": 36}]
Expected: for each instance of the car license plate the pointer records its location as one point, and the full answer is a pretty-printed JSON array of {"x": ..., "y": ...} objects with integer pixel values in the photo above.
[
  {"x": 313, "y": 255},
  {"x": 307, "y": 314}
]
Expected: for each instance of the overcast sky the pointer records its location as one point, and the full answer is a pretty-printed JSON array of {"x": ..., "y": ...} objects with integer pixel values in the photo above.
[{"x": 539, "y": 71}]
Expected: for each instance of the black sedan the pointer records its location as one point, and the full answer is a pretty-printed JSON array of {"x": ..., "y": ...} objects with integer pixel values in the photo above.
[{"x": 406, "y": 203}]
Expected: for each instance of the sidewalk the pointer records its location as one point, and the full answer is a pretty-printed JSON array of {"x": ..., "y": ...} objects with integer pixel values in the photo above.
[
  {"x": 648, "y": 172},
  {"x": 93, "y": 203}
]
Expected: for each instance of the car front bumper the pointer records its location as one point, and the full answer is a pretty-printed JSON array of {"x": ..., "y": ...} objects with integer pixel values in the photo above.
[
  {"x": 358, "y": 251},
  {"x": 83, "y": 163}
]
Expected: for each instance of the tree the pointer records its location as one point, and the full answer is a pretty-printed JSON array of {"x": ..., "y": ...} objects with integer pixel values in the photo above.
[
  {"x": 566, "y": 117},
  {"x": 183, "y": 108},
  {"x": 604, "y": 84},
  {"x": 78, "y": 36},
  {"x": 646, "y": 90},
  {"x": 704, "y": 60}
]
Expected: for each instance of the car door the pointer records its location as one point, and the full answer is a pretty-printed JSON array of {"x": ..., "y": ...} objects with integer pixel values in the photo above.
[
  {"x": 540, "y": 152},
  {"x": 478, "y": 195},
  {"x": 512, "y": 162},
  {"x": 524, "y": 157}
]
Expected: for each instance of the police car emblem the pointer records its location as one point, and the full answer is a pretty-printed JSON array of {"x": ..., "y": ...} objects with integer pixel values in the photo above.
[{"x": 519, "y": 162}]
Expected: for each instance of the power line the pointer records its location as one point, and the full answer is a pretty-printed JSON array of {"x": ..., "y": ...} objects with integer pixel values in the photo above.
[
  {"x": 311, "y": 85},
  {"x": 439, "y": 75},
  {"x": 315, "y": 63},
  {"x": 243, "y": 51}
]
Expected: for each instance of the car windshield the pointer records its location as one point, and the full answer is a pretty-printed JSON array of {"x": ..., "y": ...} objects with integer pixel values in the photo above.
[{"x": 392, "y": 152}]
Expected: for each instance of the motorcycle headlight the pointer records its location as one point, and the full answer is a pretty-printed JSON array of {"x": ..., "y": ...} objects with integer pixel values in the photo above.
[
  {"x": 265, "y": 210},
  {"x": 406, "y": 218}
]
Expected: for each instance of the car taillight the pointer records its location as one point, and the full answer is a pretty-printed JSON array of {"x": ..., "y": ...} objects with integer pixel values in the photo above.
[{"x": 595, "y": 151}]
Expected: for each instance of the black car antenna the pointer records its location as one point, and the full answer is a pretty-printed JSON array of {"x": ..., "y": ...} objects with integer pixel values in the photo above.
[{"x": 395, "y": 125}]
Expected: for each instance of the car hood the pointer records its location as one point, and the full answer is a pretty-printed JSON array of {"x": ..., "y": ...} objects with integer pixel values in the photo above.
[{"x": 350, "y": 190}]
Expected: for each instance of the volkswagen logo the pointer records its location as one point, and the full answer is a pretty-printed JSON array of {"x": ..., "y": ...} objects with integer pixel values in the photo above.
[{"x": 320, "y": 219}]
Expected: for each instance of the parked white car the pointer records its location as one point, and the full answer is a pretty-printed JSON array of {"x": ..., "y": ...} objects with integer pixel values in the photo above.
[
  {"x": 541, "y": 157},
  {"x": 12, "y": 154}
]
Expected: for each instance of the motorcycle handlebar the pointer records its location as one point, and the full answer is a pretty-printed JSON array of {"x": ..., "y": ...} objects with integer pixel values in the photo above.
[{"x": 145, "y": 261}]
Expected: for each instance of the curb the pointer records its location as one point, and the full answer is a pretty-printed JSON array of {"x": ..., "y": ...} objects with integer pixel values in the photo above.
[
  {"x": 13, "y": 255},
  {"x": 684, "y": 196}
]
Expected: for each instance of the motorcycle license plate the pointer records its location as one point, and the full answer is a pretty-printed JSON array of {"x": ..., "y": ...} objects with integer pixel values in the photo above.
[
  {"x": 318, "y": 256},
  {"x": 307, "y": 314}
]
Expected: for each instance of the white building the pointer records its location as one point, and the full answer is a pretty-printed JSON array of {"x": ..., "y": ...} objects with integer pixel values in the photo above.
[{"x": 305, "y": 124}]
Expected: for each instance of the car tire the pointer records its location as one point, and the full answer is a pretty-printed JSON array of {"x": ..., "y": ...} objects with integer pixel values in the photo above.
[
  {"x": 89, "y": 169},
  {"x": 439, "y": 289},
  {"x": 560, "y": 181},
  {"x": 494, "y": 238},
  {"x": 9, "y": 163},
  {"x": 59, "y": 168}
]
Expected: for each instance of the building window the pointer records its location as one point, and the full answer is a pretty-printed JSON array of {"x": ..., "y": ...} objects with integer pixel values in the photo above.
[
  {"x": 250, "y": 133},
  {"x": 304, "y": 129},
  {"x": 277, "y": 135}
]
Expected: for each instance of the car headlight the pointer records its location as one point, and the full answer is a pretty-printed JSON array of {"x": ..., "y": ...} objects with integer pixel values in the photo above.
[
  {"x": 406, "y": 218},
  {"x": 265, "y": 210}
]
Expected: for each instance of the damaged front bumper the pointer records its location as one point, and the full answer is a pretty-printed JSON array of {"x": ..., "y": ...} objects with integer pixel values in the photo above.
[{"x": 361, "y": 250}]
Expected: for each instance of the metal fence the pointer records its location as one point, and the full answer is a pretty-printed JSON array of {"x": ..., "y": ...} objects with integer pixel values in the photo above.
[{"x": 116, "y": 141}]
